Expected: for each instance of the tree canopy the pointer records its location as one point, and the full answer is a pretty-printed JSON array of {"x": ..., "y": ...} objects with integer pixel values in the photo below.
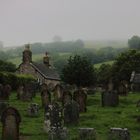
[
  {"x": 134, "y": 42},
  {"x": 125, "y": 63},
  {"x": 7, "y": 66},
  {"x": 78, "y": 71},
  {"x": 104, "y": 74}
]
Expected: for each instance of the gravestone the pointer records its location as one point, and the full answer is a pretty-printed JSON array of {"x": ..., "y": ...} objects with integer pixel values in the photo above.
[
  {"x": 80, "y": 96},
  {"x": 24, "y": 92},
  {"x": 3, "y": 106},
  {"x": 123, "y": 88},
  {"x": 20, "y": 92},
  {"x": 110, "y": 98},
  {"x": 5, "y": 92},
  {"x": 53, "y": 117},
  {"x": 1, "y": 92},
  {"x": 10, "y": 124},
  {"x": 138, "y": 103},
  {"x": 87, "y": 134},
  {"x": 27, "y": 96},
  {"x": 58, "y": 134},
  {"x": 119, "y": 134},
  {"x": 45, "y": 97},
  {"x": 33, "y": 110},
  {"x": 58, "y": 92},
  {"x": 71, "y": 113},
  {"x": 67, "y": 97}
]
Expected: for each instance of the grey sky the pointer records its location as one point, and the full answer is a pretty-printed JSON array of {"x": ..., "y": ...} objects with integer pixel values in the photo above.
[{"x": 23, "y": 21}]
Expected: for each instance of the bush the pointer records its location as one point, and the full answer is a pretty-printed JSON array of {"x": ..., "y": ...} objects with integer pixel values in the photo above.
[{"x": 15, "y": 79}]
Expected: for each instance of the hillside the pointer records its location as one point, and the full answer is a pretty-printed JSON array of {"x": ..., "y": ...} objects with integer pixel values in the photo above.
[
  {"x": 97, "y": 44},
  {"x": 100, "y": 118}
]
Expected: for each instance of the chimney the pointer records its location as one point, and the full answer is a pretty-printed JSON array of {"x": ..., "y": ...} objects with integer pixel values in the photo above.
[
  {"x": 27, "y": 54},
  {"x": 46, "y": 60}
]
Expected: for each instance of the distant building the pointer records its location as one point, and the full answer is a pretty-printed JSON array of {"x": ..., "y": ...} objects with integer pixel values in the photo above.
[
  {"x": 43, "y": 71},
  {"x": 135, "y": 81}
]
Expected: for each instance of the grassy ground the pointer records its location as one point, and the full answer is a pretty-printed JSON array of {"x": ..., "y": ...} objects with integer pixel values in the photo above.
[
  {"x": 107, "y": 62},
  {"x": 100, "y": 118},
  {"x": 98, "y": 44}
]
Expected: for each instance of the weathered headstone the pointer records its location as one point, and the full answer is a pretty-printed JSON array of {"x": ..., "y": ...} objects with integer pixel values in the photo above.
[
  {"x": 119, "y": 134},
  {"x": 10, "y": 124},
  {"x": 33, "y": 110},
  {"x": 123, "y": 88},
  {"x": 3, "y": 106},
  {"x": 110, "y": 98},
  {"x": 110, "y": 85},
  {"x": 58, "y": 92},
  {"x": 5, "y": 92},
  {"x": 24, "y": 92},
  {"x": 45, "y": 97},
  {"x": 138, "y": 103},
  {"x": 58, "y": 134},
  {"x": 20, "y": 92},
  {"x": 71, "y": 113},
  {"x": 53, "y": 117},
  {"x": 80, "y": 96},
  {"x": 67, "y": 97},
  {"x": 1, "y": 91},
  {"x": 87, "y": 134}
]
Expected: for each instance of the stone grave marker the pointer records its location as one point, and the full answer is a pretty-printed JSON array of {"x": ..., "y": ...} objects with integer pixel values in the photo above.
[
  {"x": 80, "y": 96},
  {"x": 119, "y": 134},
  {"x": 24, "y": 92},
  {"x": 20, "y": 92},
  {"x": 1, "y": 92},
  {"x": 87, "y": 134},
  {"x": 10, "y": 124},
  {"x": 58, "y": 92},
  {"x": 5, "y": 92},
  {"x": 58, "y": 134},
  {"x": 45, "y": 97},
  {"x": 123, "y": 88},
  {"x": 110, "y": 98},
  {"x": 3, "y": 106},
  {"x": 67, "y": 97},
  {"x": 33, "y": 110},
  {"x": 71, "y": 113},
  {"x": 53, "y": 116}
]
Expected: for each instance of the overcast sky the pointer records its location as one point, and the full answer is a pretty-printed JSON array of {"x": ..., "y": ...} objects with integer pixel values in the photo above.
[{"x": 24, "y": 21}]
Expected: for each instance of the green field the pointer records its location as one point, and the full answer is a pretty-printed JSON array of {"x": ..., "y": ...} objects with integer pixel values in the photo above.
[
  {"x": 99, "y": 64},
  {"x": 18, "y": 60},
  {"x": 98, "y": 44},
  {"x": 100, "y": 118}
]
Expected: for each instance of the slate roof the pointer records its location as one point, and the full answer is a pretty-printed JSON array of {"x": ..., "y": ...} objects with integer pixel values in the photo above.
[
  {"x": 48, "y": 73},
  {"x": 135, "y": 78}
]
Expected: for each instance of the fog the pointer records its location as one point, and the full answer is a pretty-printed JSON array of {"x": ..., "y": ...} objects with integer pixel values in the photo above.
[{"x": 27, "y": 21}]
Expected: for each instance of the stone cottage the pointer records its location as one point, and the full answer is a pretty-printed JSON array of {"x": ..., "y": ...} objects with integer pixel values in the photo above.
[
  {"x": 43, "y": 71},
  {"x": 135, "y": 81}
]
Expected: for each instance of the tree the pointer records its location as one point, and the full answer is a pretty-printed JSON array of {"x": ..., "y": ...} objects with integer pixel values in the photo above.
[
  {"x": 57, "y": 38},
  {"x": 7, "y": 66},
  {"x": 104, "y": 74},
  {"x": 124, "y": 64},
  {"x": 134, "y": 42},
  {"x": 78, "y": 71}
]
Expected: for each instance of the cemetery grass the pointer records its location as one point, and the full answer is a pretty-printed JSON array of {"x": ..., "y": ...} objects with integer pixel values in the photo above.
[{"x": 100, "y": 118}]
